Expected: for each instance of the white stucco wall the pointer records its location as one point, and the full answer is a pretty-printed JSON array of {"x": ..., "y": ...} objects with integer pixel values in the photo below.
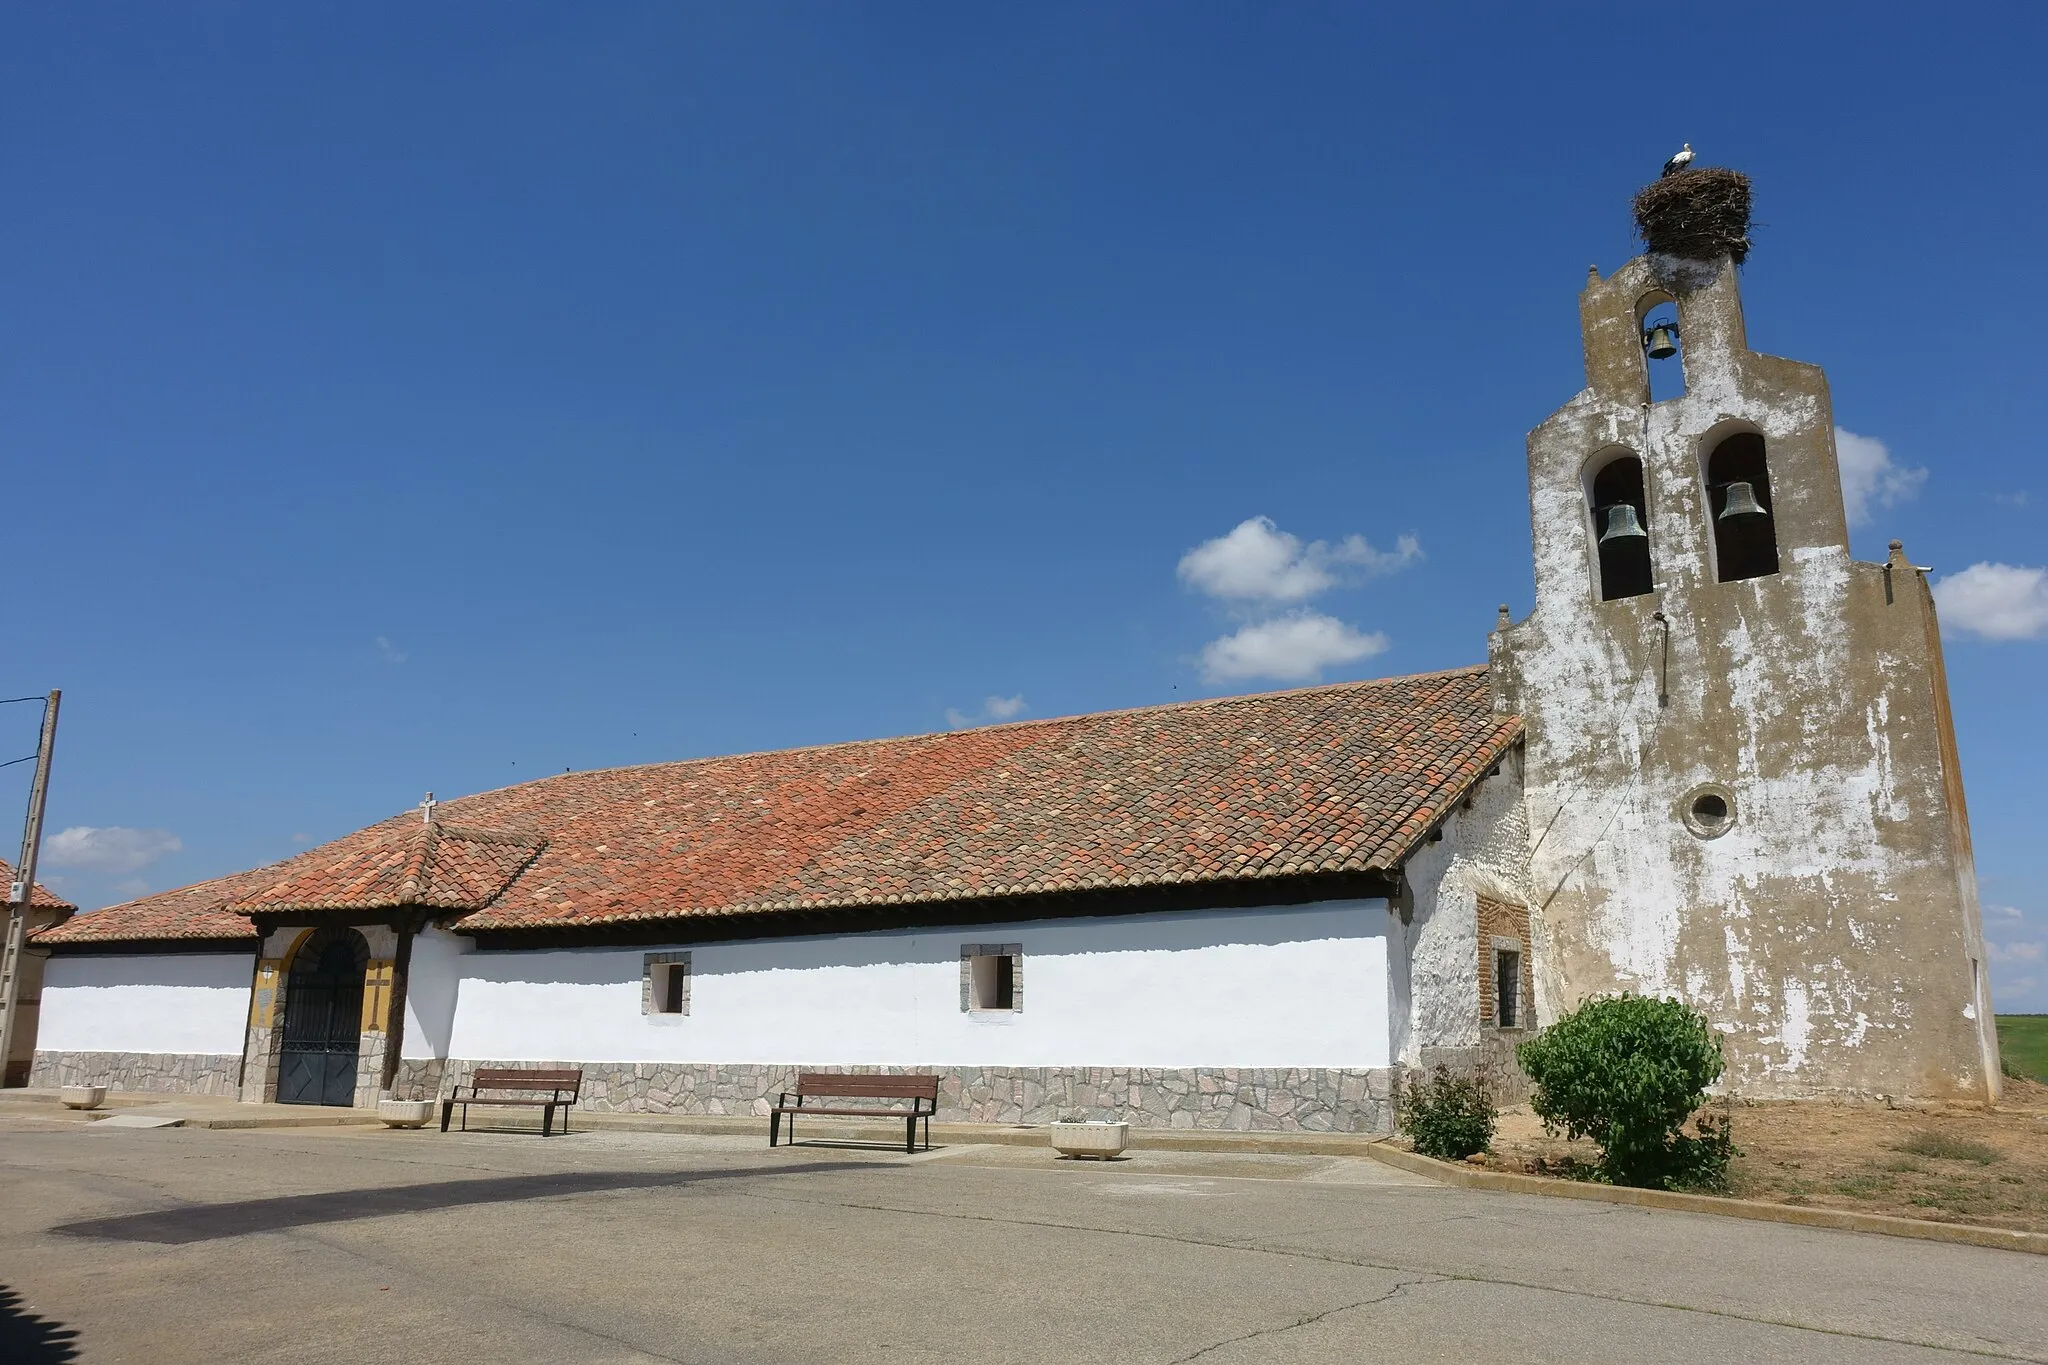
[
  {"x": 1299, "y": 986},
  {"x": 171, "y": 1002},
  {"x": 432, "y": 983}
]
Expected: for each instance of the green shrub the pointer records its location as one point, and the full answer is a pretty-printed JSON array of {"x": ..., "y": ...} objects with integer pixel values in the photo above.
[
  {"x": 1627, "y": 1072},
  {"x": 1449, "y": 1116}
]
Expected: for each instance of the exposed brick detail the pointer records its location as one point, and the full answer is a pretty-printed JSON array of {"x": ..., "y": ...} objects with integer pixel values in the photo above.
[{"x": 1504, "y": 925}]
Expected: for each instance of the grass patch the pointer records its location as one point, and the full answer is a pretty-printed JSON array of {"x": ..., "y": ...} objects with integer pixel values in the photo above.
[
  {"x": 1947, "y": 1147},
  {"x": 2023, "y": 1045}
]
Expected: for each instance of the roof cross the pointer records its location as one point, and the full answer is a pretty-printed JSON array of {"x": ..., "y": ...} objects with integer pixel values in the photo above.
[{"x": 427, "y": 809}]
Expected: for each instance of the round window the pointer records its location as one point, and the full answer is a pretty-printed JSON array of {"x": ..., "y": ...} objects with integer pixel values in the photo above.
[{"x": 1708, "y": 810}]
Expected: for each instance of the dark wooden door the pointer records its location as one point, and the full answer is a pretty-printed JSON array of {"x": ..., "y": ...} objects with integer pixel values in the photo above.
[{"x": 323, "y": 1020}]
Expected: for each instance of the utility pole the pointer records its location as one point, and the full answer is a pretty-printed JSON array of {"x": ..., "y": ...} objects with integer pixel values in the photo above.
[{"x": 24, "y": 887}]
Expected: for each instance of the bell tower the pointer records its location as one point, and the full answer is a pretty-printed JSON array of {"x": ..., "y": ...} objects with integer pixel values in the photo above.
[{"x": 1741, "y": 772}]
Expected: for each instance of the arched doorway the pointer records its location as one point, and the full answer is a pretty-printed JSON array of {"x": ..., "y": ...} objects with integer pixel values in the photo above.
[{"x": 323, "y": 1019}]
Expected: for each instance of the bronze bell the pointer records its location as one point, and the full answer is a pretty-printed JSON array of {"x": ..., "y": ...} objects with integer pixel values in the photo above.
[
  {"x": 1741, "y": 504},
  {"x": 1661, "y": 341},
  {"x": 1622, "y": 524}
]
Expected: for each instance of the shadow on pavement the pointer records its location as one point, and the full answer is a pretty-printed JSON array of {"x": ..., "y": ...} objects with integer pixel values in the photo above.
[
  {"x": 209, "y": 1222},
  {"x": 27, "y": 1339}
]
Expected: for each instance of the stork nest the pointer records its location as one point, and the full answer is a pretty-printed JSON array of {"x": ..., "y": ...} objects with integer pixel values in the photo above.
[{"x": 1699, "y": 215}]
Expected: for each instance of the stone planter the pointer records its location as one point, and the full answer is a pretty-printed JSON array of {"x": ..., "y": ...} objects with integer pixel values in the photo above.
[
  {"x": 84, "y": 1096},
  {"x": 1098, "y": 1140},
  {"x": 405, "y": 1113}
]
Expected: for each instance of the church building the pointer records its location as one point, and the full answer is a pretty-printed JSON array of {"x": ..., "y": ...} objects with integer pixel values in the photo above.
[{"x": 1715, "y": 762}]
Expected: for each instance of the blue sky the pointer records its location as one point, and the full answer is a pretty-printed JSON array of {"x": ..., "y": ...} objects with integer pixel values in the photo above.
[{"x": 402, "y": 397}]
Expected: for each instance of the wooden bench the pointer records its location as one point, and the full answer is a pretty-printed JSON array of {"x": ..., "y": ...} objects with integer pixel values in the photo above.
[
  {"x": 921, "y": 1091},
  {"x": 525, "y": 1086}
]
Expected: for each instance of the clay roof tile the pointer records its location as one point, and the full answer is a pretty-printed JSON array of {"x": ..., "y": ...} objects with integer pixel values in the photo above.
[{"x": 1345, "y": 777}]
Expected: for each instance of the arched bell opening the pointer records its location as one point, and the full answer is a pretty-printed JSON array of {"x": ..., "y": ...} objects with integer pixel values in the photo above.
[
  {"x": 1739, "y": 506},
  {"x": 1663, "y": 351},
  {"x": 1621, "y": 527},
  {"x": 323, "y": 1019}
]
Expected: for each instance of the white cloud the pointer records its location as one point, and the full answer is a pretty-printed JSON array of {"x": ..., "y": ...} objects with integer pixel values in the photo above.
[
  {"x": 1869, "y": 478},
  {"x": 391, "y": 652},
  {"x": 1293, "y": 648},
  {"x": 1996, "y": 601},
  {"x": 992, "y": 708},
  {"x": 2018, "y": 952},
  {"x": 1257, "y": 561},
  {"x": 109, "y": 849}
]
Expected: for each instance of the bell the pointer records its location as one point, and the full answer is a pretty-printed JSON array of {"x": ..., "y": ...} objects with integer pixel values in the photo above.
[
  {"x": 1741, "y": 504},
  {"x": 1662, "y": 341},
  {"x": 1622, "y": 524}
]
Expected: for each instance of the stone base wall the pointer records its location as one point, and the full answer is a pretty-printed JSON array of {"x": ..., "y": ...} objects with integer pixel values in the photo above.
[
  {"x": 1243, "y": 1099},
  {"x": 369, "y": 1067},
  {"x": 259, "y": 1066},
  {"x": 182, "y": 1073},
  {"x": 1492, "y": 1061}
]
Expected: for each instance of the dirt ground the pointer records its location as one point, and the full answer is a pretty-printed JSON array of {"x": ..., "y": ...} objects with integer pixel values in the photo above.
[{"x": 1954, "y": 1163}]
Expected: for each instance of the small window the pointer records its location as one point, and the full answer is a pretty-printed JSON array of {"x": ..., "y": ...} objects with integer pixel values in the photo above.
[
  {"x": 665, "y": 984},
  {"x": 1507, "y": 987},
  {"x": 991, "y": 977}
]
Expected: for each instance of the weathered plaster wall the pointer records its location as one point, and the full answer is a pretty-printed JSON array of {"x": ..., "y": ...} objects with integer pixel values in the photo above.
[
  {"x": 1295, "y": 986},
  {"x": 1832, "y": 932},
  {"x": 1484, "y": 852},
  {"x": 160, "y": 1003}
]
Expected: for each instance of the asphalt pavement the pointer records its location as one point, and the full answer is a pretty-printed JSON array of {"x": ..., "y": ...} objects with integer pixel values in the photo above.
[{"x": 351, "y": 1244}]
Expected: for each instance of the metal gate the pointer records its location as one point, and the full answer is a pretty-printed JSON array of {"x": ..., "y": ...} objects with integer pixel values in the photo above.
[{"x": 323, "y": 1020}]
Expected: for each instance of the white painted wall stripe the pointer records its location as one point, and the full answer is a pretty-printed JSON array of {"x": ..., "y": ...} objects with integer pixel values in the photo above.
[
  {"x": 1299, "y": 986},
  {"x": 173, "y": 1002}
]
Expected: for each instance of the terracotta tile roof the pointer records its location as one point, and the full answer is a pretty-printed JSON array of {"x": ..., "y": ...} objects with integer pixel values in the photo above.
[
  {"x": 1344, "y": 778},
  {"x": 191, "y": 912},
  {"x": 39, "y": 897},
  {"x": 436, "y": 866}
]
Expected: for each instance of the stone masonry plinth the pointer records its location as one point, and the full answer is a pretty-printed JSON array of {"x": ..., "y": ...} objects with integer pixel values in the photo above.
[{"x": 1243, "y": 1099}]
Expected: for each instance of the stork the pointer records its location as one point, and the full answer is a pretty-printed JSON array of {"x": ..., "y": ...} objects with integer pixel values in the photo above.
[{"x": 1679, "y": 161}]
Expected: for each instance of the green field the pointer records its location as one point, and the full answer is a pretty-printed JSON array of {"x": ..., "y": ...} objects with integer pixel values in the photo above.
[{"x": 2023, "y": 1042}]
